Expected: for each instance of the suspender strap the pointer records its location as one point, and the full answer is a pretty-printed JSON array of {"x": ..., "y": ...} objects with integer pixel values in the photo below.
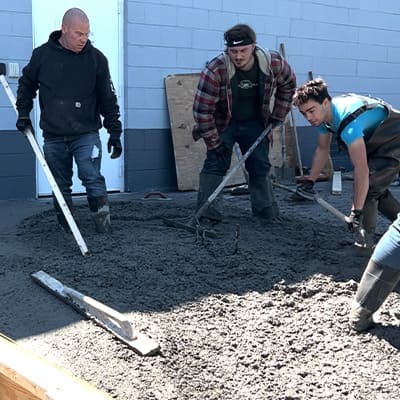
[{"x": 351, "y": 117}]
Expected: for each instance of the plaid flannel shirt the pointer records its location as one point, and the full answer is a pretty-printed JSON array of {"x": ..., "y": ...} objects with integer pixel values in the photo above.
[{"x": 212, "y": 108}]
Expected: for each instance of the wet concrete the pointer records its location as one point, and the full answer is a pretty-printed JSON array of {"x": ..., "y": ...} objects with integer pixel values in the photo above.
[{"x": 260, "y": 312}]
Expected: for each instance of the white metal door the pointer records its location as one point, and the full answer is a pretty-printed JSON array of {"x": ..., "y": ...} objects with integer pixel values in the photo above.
[{"x": 106, "y": 33}]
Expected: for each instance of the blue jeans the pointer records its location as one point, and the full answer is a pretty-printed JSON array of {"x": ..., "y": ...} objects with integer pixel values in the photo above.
[
  {"x": 245, "y": 133},
  {"x": 85, "y": 149},
  {"x": 387, "y": 251}
]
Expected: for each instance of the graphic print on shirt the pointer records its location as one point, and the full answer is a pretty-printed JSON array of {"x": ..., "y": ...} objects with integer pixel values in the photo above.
[
  {"x": 247, "y": 84},
  {"x": 246, "y": 95}
]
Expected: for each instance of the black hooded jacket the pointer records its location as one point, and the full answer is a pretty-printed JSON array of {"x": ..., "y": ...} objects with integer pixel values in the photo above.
[{"x": 75, "y": 89}]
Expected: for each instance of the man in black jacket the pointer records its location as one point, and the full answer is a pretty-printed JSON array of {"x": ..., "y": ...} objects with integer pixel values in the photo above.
[{"x": 75, "y": 90}]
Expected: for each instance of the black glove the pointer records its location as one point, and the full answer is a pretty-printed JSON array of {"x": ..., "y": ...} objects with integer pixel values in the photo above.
[
  {"x": 354, "y": 220},
  {"x": 24, "y": 123},
  {"x": 114, "y": 144},
  {"x": 223, "y": 153},
  {"x": 306, "y": 190}
]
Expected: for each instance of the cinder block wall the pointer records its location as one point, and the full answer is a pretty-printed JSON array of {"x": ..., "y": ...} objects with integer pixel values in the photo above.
[
  {"x": 354, "y": 45},
  {"x": 17, "y": 162}
]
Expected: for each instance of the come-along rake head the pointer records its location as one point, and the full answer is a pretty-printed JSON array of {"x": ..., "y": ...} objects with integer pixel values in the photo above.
[
  {"x": 360, "y": 235},
  {"x": 195, "y": 227}
]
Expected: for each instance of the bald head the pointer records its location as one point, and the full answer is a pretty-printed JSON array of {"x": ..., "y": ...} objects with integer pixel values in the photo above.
[
  {"x": 74, "y": 30},
  {"x": 74, "y": 14}
]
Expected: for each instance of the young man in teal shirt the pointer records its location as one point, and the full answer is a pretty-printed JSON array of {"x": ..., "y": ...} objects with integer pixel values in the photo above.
[{"x": 369, "y": 129}]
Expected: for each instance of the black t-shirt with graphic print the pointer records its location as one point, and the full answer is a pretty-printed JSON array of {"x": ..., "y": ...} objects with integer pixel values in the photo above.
[{"x": 246, "y": 105}]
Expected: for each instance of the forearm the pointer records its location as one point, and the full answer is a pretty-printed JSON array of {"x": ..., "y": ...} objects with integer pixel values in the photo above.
[
  {"x": 205, "y": 124},
  {"x": 319, "y": 161},
  {"x": 358, "y": 156},
  {"x": 360, "y": 187},
  {"x": 203, "y": 116},
  {"x": 285, "y": 86},
  {"x": 111, "y": 115},
  {"x": 205, "y": 102},
  {"x": 26, "y": 92}
]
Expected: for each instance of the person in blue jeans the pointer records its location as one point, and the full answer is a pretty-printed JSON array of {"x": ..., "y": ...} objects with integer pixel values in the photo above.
[
  {"x": 369, "y": 129},
  {"x": 240, "y": 92},
  {"x": 379, "y": 279},
  {"x": 75, "y": 90}
]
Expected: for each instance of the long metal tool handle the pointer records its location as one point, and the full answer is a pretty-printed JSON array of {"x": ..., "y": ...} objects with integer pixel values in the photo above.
[
  {"x": 295, "y": 135},
  {"x": 331, "y": 209},
  {"x": 228, "y": 176},
  {"x": 38, "y": 152},
  {"x": 319, "y": 200},
  {"x": 239, "y": 156}
]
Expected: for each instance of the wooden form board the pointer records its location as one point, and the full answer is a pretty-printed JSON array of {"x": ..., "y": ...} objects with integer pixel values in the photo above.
[
  {"x": 189, "y": 155},
  {"x": 26, "y": 376}
]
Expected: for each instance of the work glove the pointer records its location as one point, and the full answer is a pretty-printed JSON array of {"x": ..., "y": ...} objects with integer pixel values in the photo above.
[
  {"x": 354, "y": 220},
  {"x": 23, "y": 123},
  {"x": 114, "y": 145},
  {"x": 223, "y": 153},
  {"x": 306, "y": 190}
]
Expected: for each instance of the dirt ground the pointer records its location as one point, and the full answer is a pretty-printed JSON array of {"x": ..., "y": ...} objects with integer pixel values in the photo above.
[{"x": 258, "y": 313}]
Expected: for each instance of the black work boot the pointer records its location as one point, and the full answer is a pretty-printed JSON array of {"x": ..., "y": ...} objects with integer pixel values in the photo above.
[
  {"x": 269, "y": 214},
  {"x": 60, "y": 215},
  {"x": 375, "y": 286},
  {"x": 207, "y": 185},
  {"x": 100, "y": 213},
  {"x": 263, "y": 203}
]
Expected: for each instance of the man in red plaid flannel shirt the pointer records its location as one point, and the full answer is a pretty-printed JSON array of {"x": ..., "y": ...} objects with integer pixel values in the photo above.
[{"x": 241, "y": 92}]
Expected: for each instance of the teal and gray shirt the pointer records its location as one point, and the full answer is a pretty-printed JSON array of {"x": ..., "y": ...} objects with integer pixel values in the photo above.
[{"x": 363, "y": 113}]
